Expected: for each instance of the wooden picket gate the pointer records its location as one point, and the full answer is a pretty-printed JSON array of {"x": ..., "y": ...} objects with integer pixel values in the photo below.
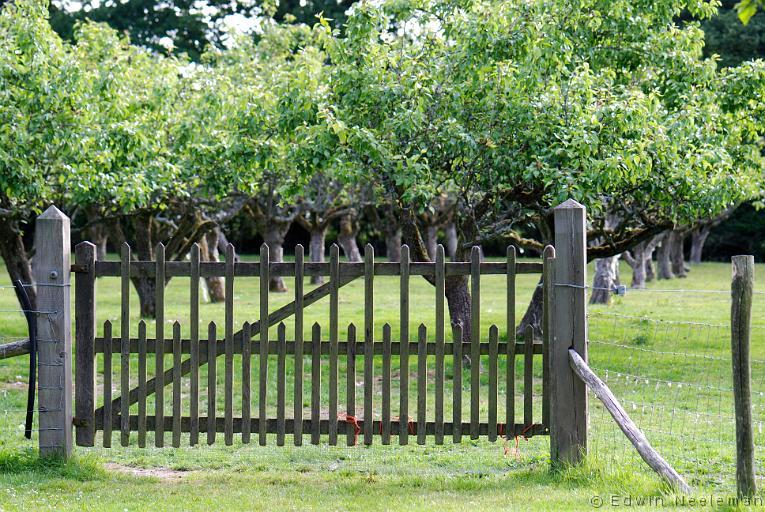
[
  {"x": 198, "y": 350},
  {"x": 563, "y": 409}
]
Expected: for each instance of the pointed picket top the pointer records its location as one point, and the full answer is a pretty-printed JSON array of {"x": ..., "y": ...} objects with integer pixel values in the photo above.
[
  {"x": 159, "y": 247},
  {"x": 142, "y": 324},
  {"x": 299, "y": 248},
  {"x": 334, "y": 250},
  {"x": 386, "y": 328},
  {"x": 177, "y": 325},
  {"x": 549, "y": 252},
  {"x": 493, "y": 331},
  {"x": 351, "y": 329},
  {"x": 422, "y": 329},
  {"x": 53, "y": 213},
  {"x": 281, "y": 328},
  {"x": 263, "y": 248},
  {"x": 569, "y": 204},
  {"x": 511, "y": 251}
]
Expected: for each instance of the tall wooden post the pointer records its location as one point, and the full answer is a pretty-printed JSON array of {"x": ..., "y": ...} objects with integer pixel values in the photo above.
[
  {"x": 740, "y": 322},
  {"x": 568, "y": 394},
  {"x": 51, "y": 273},
  {"x": 85, "y": 343}
]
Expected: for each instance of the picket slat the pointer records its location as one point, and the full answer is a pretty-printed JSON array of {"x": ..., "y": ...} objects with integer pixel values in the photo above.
[
  {"x": 246, "y": 381},
  {"x": 457, "y": 383},
  {"x": 475, "y": 336},
  {"x": 422, "y": 374},
  {"x": 125, "y": 348},
  {"x": 547, "y": 280},
  {"x": 107, "y": 386},
  {"x": 159, "y": 351},
  {"x": 194, "y": 338},
  {"x": 440, "y": 291},
  {"x": 334, "y": 276},
  {"x": 493, "y": 344},
  {"x": 228, "y": 391},
  {"x": 403, "y": 435},
  {"x": 141, "y": 384},
  {"x": 263, "y": 359},
  {"x": 510, "y": 347},
  {"x": 315, "y": 383},
  {"x": 124, "y": 391},
  {"x": 350, "y": 386},
  {"x": 212, "y": 366},
  {"x": 298, "y": 401},
  {"x": 385, "y": 425},
  {"x": 528, "y": 377},
  {"x": 281, "y": 377},
  {"x": 176, "y": 385},
  {"x": 369, "y": 261}
]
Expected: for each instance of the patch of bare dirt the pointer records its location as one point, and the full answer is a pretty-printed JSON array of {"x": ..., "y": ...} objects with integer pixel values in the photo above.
[{"x": 161, "y": 473}]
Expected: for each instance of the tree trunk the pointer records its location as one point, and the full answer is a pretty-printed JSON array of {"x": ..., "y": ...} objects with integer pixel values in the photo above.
[
  {"x": 98, "y": 235},
  {"x": 650, "y": 271},
  {"x": 638, "y": 264},
  {"x": 393, "y": 245},
  {"x": 663, "y": 259},
  {"x": 347, "y": 239},
  {"x": 677, "y": 254},
  {"x": 273, "y": 236},
  {"x": 698, "y": 239},
  {"x": 14, "y": 255},
  {"x": 606, "y": 278},
  {"x": 458, "y": 301},
  {"x": 432, "y": 240},
  {"x": 147, "y": 293},
  {"x": 208, "y": 251},
  {"x": 451, "y": 240},
  {"x": 316, "y": 251},
  {"x": 144, "y": 251},
  {"x": 534, "y": 313}
]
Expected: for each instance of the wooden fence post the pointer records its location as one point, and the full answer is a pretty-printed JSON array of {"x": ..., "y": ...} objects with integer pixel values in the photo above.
[
  {"x": 568, "y": 394},
  {"x": 740, "y": 322},
  {"x": 51, "y": 273},
  {"x": 85, "y": 350}
]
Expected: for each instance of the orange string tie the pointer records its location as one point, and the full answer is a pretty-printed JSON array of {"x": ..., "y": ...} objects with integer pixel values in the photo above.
[
  {"x": 351, "y": 420},
  {"x": 526, "y": 429}
]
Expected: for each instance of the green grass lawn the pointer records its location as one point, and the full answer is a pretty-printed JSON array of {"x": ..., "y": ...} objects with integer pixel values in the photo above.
[{"x": 682, "y": 401}]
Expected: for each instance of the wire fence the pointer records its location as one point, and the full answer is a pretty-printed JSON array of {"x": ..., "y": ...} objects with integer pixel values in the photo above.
[{"x": 674, "y": 378}]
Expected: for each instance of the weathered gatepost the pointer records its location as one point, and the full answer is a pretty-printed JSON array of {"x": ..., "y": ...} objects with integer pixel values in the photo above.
[
  {"x": 50, "y": 268},
  {"x": 568, "y": 326}
]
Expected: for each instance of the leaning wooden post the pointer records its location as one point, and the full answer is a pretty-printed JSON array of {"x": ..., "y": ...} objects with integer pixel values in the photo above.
[
  {"x": 51, "y": 273},
  {"x": 568, "y": 394},
  {"x": 740, "y": 322}
]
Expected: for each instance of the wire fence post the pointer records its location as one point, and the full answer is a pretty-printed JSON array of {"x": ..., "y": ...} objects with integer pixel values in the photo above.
[
  {"x": 51, "y": 273},
  {"x": 741, "y": 317},
  {"x": 568, "y": 394}
]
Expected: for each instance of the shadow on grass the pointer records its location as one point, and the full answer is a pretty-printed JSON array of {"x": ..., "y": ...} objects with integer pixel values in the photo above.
[{"x": 81, "y": 468}]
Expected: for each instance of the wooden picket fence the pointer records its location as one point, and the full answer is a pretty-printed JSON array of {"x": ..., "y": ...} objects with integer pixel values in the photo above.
[
  {"x": 240, "y": 347},
  {"x": 563, "y": 412}
]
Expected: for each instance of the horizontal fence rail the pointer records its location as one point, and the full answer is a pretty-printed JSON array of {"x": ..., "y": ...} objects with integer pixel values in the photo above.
[{"x": 347, "y": 269}]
